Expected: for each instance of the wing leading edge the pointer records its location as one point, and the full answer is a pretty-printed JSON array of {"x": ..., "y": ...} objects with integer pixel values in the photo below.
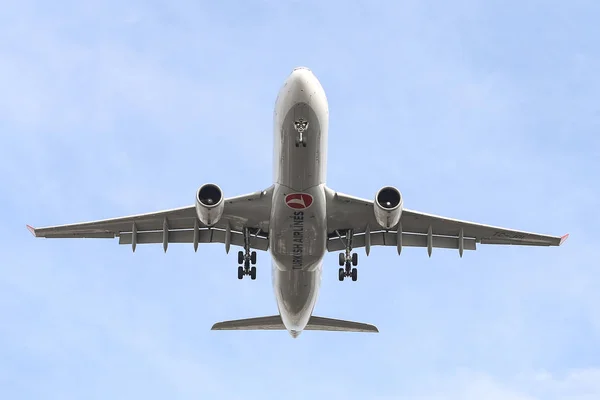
[
  {"x": 179, "y": 225},
  {"x": 417, "y": 229}
]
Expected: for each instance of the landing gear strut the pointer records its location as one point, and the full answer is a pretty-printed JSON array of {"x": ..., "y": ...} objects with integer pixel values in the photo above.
[
  {"x": 246, "y": 258},
  {"x": 347, "y": 260},
  {"x": 300, "y": 140},
  {"x": 300, "y": 125}
]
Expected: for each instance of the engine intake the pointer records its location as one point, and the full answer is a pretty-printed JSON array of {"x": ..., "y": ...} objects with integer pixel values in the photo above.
[
  {"x": 388, "y": 207},
  {"x": 209, "y": 204}
]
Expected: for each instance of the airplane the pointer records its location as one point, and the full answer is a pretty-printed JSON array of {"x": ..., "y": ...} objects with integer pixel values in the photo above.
[{"x": 298, "y": 219}]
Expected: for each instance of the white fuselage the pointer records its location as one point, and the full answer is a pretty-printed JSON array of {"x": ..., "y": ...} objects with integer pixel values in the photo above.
[{"x": 298, "y": 228}]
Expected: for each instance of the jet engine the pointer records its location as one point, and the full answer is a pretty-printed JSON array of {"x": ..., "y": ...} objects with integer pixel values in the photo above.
[
  {"x": 388, "y": 207},
  {"x": 209, "y": 204}
]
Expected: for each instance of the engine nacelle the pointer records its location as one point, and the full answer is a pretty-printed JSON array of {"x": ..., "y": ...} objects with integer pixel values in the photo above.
[
  {"x": 388, "y": 207},
  {"x": 209, "y": 204}
]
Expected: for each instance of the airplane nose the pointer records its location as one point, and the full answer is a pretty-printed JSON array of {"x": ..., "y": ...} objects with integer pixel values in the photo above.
[
  {"x": 302, "y": 81},
  {"x": 301, "y": 68},
  {"x": 301, "y": 86},
  {"x": 301, "y": 74}
]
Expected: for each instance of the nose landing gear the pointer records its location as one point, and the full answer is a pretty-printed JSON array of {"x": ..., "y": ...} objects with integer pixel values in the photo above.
[
  {"x": 300, "y": 140},
  {"x": 300, "y": 125}
]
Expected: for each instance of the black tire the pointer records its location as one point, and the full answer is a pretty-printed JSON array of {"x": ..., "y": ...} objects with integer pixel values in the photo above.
[
  {"x": 253, "y": 258},
  {"x": 354, "y": 259},
  {"x": 354, "y": 274},
  {"x": 253, "y": 273},
  {"x": 303, "y": 144},
  {"x": 240, "y": 272},
  {"x": 341, "y": 274},
  {"x": 240, "y": 257},
  {"x": 342, "y": 259}
]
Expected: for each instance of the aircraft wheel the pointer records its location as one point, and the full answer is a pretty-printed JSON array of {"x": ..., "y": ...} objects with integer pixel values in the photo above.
[
  {"x": 303, "y": 144},
  {"x": 253, "y": 273},
  {"x": 253, "y": 257},
  {"x": 341, "y": 274},
  {"x": 240, "y": 257},
  {"x": 297, "y": 143},
  {"x": 355, "y": 259},
  {"x": 240, "y": 272},
  {"x": 354, "y": 274},
  {"x": 342, "y": 259}
]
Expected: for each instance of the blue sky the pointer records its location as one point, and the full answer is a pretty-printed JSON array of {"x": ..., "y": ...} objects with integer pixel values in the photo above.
[{"x": 485, "y": 111}]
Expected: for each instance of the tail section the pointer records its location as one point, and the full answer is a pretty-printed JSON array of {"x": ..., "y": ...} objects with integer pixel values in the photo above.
[{"x": 274, "y": 322}]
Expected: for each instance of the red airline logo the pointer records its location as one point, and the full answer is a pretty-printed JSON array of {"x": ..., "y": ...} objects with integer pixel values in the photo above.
[{"x": 298, "y": 201}]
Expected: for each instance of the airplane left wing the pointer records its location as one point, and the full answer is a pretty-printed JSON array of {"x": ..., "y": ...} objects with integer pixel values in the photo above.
[
  {"x": 180, "y": 225},
  {"x": 416, "y": 229}
]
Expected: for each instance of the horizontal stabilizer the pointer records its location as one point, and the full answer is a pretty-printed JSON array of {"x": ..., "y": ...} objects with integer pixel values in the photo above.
[
  {"x": 274, "y": 322},
  {"x": 330, "y": 324}
]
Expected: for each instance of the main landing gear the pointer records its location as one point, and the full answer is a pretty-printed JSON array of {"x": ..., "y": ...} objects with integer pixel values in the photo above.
[
  {"x": 347, "y": 260},
  {"x": 245, "y": 258}
]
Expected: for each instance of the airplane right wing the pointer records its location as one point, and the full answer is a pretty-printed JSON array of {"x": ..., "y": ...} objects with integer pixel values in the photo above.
[
  {"x": 180, "y": 225},
  {"x": 417, "y": 229}
]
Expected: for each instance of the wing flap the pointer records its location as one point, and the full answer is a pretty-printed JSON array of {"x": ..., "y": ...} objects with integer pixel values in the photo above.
[
  {"x": 408, "y": 239},
  {"x": 513, "y": 242},
  {"x": 187, "y": 236},
  {"x": 78, "y": 235}
]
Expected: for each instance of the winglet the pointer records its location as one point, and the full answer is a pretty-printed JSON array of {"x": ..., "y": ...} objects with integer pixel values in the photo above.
[
  {"x": 563, "y": 238},
  {"x": 31, "y": 229}
]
